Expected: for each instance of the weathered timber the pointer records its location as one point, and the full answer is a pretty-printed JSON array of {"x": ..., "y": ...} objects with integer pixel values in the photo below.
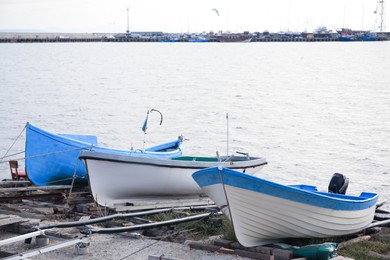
[
  {"x": 282, "y": 254},
  {"x": 146, "y": 203},
  {"x": 26, "y": 226},
  {"x": 160, "y": 257},
  {"x": 239, "y": 252},
  {"x": 254, "y": 255},
  {"x": 35, "y": 188},
  {"x": 9, "y": 219},
  {"x": 260, "y": 252},
  {"x": 11, "y": 183},
  {"x": 206, "y": 247},
  {"x": 57, "y": 193}
]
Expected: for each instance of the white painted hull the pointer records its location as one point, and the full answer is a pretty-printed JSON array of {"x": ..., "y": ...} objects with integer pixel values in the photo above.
[
  {"x": 258, "y": 218},
  {"x": 117, "y": 182},
  {"x": 263, "y": 212}
]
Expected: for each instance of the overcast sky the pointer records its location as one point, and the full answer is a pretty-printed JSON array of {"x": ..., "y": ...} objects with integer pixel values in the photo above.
[{"x": 110, "y": 16}]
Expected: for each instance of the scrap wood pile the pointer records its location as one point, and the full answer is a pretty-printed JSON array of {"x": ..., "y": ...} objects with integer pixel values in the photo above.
[{"x": 11, "y": 191}]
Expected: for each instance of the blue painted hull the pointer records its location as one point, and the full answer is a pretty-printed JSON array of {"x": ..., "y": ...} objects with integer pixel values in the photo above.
[
  {"x": 52, "y": 159},
  {"x": 198, "y": 40},
  {"x": 263, "y": 212},
  {"x": 299, "y": 193}
]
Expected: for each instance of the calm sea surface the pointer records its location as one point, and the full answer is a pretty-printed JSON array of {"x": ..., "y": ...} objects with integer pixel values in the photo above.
[{"x": 312, "y": 109}]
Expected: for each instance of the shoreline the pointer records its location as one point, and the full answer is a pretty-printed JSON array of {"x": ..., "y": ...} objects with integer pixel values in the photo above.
[{"x": 30, "y": 37}]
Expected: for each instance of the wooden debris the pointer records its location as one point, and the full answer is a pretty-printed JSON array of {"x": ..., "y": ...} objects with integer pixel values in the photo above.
[
  {"x": 160, "y": 257},
  {"x": 255, "y": 255},
  {"x": 35, "y": 188},
  {"x": 9, "y": 219},
  {"x": 353, "y": 241},
  {"x": 206, "y": 247},
  {"x": 57, "y": 193},
  {"x": 17, "y": 224},
  {"x": 230, "y": 247},
  {"x": 282, "y": 254},
  {"x": 25, "y": 226},
  {"x": 146, "y": 203},
  {"x": 223, "y": 243},
  {"x": 13, "y": 184}
]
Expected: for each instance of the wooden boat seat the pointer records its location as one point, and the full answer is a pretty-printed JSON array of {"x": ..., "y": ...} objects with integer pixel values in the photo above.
[{"x": 15, "y": 173}]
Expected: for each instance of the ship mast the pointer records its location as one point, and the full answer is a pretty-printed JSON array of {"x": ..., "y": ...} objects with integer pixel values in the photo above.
[
  {"x": 128, "y": 30},
  {"x": 381, "y": 26}
]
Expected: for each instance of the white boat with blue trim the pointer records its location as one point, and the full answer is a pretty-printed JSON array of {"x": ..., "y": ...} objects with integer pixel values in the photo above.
[
  {"x": 263, "y": 212},
  {"x": 117, "y": 179}
]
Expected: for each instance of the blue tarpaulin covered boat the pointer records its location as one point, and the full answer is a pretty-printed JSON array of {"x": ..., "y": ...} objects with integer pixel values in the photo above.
[{"x": 52, "y": 159}]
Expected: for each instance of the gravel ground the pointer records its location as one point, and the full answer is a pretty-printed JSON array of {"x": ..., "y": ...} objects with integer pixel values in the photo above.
[
  {"x": 122, "y": 246},
  {"x": 118, "y": 246}
]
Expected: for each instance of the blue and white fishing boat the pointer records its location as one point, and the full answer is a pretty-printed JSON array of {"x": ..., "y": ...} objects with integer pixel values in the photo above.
[
  {"x": 263, "y": 212},
  {"x": 52, "y": 159},
  {"x": 118, "y": 179}
]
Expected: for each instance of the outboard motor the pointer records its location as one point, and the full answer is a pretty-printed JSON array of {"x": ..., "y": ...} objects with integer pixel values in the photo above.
[{"x": 338, "y": 184}]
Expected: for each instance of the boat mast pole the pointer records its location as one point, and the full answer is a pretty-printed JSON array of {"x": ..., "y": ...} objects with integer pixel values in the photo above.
[
  {"x": 128, "y": 30},
  {"x": 227, "y": 135},
  {"x": 382, "y": 24}
]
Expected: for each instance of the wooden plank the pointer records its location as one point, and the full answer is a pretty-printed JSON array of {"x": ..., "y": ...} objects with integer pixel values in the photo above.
[
  {"x": 26, "y": 226},
  {"x": 14, "y": 183},
  {"x": 240, "y": 252},
  {"x": 282, "y": 254},
  {"x": 10, "y": 219},
  {"x": 144, "y": 200},
  {"x": 144, "y": 203},
  {"x": 254, "y": 255},
  {"x": 36, "y": 188},
  {"x": 223, "y": 242},
  {"x": 262, "y": 249},
  {"x": 206, "y": 247},
  {"x": 59, "y": 196},
  {"x": 160, "y": 257},
  {"x": 155, "y": 206},
  {"x": 4, "y": 216}
]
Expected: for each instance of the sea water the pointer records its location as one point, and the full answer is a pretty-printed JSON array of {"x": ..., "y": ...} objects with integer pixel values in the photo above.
[{"x": 312, "y": 109}]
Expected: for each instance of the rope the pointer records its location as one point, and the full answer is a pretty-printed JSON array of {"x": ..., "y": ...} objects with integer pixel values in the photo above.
[
  {"x": 44, "y": 154},
  {"x": 163, "y": 237},
  {"x": 75, "y": 176},
  {"x": 98, "y": 208},
  {"x": 10, "y": 155},
  {"x": 1, "y": 160}
]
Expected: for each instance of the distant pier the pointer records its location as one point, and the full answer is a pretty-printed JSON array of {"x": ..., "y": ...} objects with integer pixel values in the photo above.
[
  {"x": 51, "y": 40},
  {"x": 101, "y": 37}
]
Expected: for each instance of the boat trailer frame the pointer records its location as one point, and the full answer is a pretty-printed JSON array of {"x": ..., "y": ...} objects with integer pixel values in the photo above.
[{"x": 79, "y": 242}]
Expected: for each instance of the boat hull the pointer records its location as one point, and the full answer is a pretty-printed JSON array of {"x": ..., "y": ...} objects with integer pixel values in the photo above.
[
  {"x": 263, "y": 212},
  {"x": 52, "y": 159},
  {"x": 115, "y": 179}
]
